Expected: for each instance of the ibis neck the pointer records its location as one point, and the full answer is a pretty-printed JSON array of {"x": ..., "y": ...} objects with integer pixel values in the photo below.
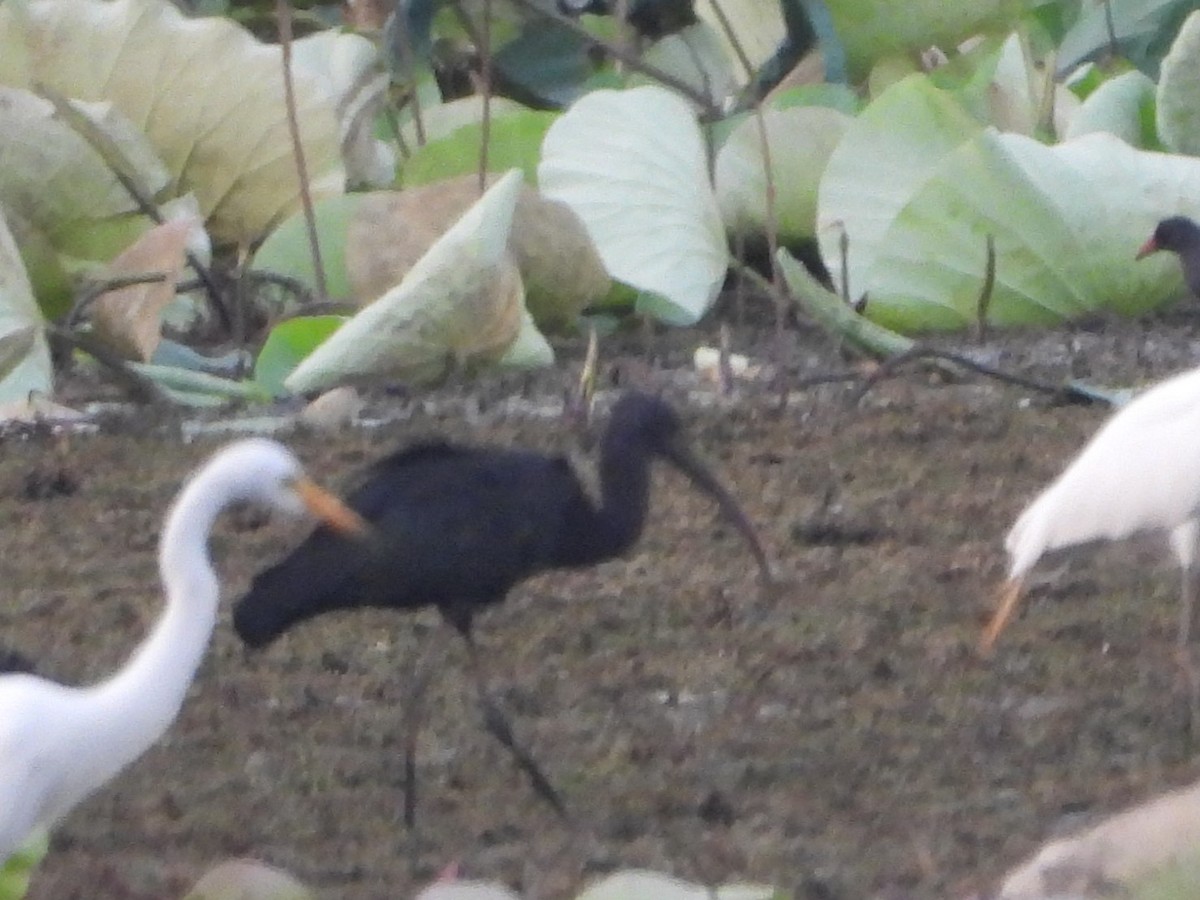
[
  {"x": 135, "y": 706},
  {"x": 608, "y": 530}
]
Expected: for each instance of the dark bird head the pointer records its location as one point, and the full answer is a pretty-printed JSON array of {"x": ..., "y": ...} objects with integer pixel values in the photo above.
[
  {"x": 651, "y": 421},
  {"x": 1179, "y": 234}
]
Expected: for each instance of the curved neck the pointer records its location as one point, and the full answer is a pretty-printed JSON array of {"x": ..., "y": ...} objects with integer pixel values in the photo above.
[
  {"x": 596, "y": 533},
  {"x": 137, "y": 704}
]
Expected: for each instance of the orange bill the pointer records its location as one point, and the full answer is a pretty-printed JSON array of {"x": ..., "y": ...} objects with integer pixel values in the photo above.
[
  {"x": 328, "y": 508},
  {"x": 1151, "y": 246},
  {"x": 1008, "y": 605}
]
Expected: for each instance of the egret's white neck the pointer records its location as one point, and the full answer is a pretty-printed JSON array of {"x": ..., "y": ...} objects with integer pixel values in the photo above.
[{"x": 136, "y": 705}]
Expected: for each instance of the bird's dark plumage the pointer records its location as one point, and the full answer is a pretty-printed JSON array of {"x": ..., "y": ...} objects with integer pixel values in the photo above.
[
  {"x": 457, "y": 527},
  {"x": 1181, "y": 236}
]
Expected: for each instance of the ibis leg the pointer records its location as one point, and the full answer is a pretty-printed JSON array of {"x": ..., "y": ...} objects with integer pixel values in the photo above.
[
  {"x": 497, "y": 723},
  {"x": 418, "y": 680}
]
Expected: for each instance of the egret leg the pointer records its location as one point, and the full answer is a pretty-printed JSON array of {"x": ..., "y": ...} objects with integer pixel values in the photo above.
[
  {"x": 1183, "y": 542},
  {"x": 493, "y": 716},
  {"x": 1010, "y": 595}
]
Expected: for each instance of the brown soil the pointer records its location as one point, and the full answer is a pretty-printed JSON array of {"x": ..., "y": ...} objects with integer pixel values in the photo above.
[{"x": 839, "y": 738}]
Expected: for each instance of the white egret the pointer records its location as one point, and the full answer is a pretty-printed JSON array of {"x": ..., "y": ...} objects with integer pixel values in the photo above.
[
  {"x": 1139, "y": 474},
  {"x": 59, "y": 743}
]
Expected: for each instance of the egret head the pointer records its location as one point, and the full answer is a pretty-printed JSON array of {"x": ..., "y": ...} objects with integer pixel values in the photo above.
[{"x": 259, "y": 470}]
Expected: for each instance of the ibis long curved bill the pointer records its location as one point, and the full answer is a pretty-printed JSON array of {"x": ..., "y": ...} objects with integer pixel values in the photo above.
[{"x": 690, "y": 464}]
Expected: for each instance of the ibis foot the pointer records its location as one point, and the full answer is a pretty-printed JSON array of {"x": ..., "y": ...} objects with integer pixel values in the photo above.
[{"x": 497, "y": 723}]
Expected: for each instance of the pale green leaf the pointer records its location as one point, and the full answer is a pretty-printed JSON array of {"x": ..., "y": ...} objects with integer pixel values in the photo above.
[
  {"x": 757, "y": 26},
  {"x": 347, "y": 68},
  {"x": 515, "y": 141},
  {"x": 288, "y": 343},
  {"x": 225, "y": 138},
  {"x": 288, "y": 252},
  {"x": 189, "y": 387},
  {"x": 441, "y": 120},
  {"x": 883, "y": 159},
  {"x": 1118, "y": 107},
  {"x": 632, "y": 164},
  {"x": 17, "y": 871},
  {"x": 871, "y": 29},
  {"x": 697, "y": 57},
  {"x": 1063, "y": 248},
  {"x": 25, "y": 366},
  {"x": 61, "y": 197},
  {"x": 800, "y": 140},
  {"x": 461, "y": 304},
  {"x": 1179, "y": 91}
]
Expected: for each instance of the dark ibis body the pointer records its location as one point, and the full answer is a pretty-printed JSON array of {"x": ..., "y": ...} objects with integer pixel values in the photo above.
[
  {"x": 456, "y": 527},
  {"x": 1181, "y": 236}
]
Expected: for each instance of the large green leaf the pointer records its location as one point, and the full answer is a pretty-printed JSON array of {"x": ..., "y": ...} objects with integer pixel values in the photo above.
[
  {"x": 758, "y": 27},
  {"x": 25, "y": 366},
  {"x": 287, "y": 250},
  {"x": 514, "y": 141},
  {"x": 800, "y": 140},
  {"x": 1123, "y": 106},
  {"x": 696, "y": 57},
  {"x": 871, "y": 29},
  {"x": 633, "y": 166},
  {"x": 63, "y": 200},
  {"x": 222, "y": 135},
  {"x": 882, "y": 161},
  {"x": 461, "y": 304},
  {"x": 287, "y": 344},
  {"x": 17, "y": 871},
  {"x": 1179, "y": 91},
  {"x": 1063, "y": 245}
]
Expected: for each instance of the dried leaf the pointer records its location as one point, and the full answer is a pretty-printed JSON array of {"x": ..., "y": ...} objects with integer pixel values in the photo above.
[
  {"x": 559, "y": 265},
  {"x": 462, "y": 303},
  {"x": 225, "y": 138},
  {"x": 128, "y": 319}
]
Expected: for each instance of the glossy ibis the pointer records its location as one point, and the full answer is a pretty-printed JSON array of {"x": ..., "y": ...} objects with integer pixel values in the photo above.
[
  {"x": 456, "y": 527},
  {"x": 58, "y": 744}
]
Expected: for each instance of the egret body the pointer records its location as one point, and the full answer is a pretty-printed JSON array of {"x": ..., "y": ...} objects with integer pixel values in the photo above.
[
  {"x": 59, "y": 743},
  {"x": 1140, "y": 473}
]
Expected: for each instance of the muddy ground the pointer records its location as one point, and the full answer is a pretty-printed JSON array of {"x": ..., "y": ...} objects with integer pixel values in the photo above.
[{"x": 839, "y": 738}]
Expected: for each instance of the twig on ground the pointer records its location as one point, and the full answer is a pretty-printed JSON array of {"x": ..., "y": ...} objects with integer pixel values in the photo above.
[{"x": 890, "y": 367}]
